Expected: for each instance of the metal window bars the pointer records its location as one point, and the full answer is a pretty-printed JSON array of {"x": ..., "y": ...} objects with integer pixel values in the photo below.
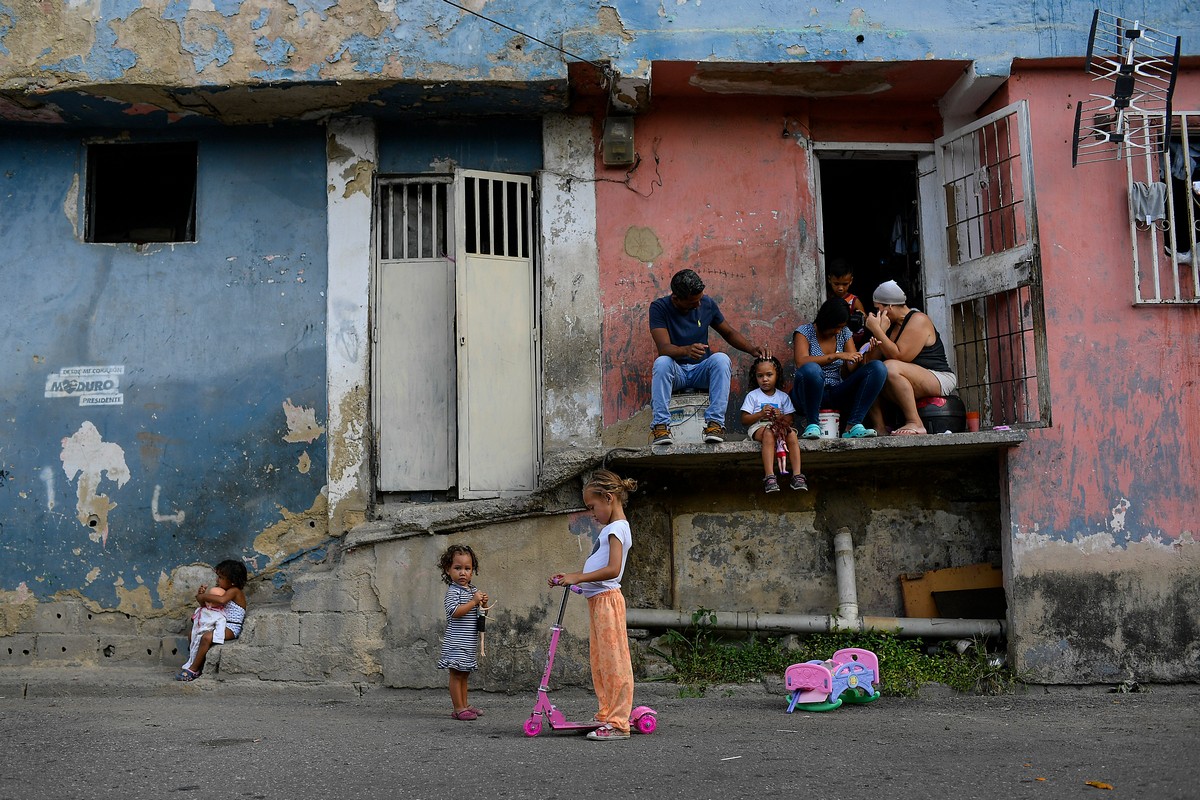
[
  {"x": 498, "y": 217},
  {"x": 412, "y": 219},
  {"x": 984, "y": 189},
  {"x": 1164, "y": 232},
  {"x": 995, "y": 346}
]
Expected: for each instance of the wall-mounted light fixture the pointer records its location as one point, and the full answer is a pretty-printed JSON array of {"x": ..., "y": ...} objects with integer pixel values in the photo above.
[{"x": 617, "y": 142}]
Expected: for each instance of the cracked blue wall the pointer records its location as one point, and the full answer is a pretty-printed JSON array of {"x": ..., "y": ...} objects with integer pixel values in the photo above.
[{"x": 214, "y": 337}]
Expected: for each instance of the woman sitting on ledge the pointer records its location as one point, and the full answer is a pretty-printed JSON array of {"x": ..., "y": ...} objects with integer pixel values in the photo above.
[
  {"x": 911, "y": 348},
  {"x": 830, "y": 373}
]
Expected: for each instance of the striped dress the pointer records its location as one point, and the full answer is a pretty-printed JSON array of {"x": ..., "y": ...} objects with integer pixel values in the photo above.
[
  {"x": 460, "y": 645},
  {"x": 235, "y": 617}
]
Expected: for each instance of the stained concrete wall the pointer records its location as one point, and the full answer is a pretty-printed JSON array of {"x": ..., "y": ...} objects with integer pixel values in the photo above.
[{"x": 700, "y": 540}]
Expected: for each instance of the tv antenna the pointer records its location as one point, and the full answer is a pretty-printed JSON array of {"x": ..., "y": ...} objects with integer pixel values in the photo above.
[{"x": 1135, "y": 116}]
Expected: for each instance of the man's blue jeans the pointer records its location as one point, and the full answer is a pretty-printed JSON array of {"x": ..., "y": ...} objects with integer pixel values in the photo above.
[
  {"x": 710, "y": 375},
  {"x": 853, "y": 397}
]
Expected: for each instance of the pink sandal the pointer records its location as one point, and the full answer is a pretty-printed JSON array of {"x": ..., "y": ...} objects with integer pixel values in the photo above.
[{"x": 466, "y": 714}]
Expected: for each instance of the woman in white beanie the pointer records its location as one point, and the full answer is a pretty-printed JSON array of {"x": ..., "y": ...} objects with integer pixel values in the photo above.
[{"x": 911, "y": 349}]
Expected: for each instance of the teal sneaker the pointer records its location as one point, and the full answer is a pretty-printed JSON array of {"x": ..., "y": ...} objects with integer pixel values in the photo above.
[
  {"x": 812, "y": 432},
  {"x": 857, "y": 431}
]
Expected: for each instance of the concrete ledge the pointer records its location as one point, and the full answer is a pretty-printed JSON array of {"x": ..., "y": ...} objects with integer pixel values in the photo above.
[
  {"x": 822, "y": 453},
  {"x": 272, "y": 627},
  {"x": 425, "y": 519}
]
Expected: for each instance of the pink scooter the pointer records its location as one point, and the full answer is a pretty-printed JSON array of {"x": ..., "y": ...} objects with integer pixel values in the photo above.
[{"x": 642, "y": 719}]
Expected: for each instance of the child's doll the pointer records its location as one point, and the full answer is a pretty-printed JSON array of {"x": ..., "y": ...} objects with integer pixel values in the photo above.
[
  {"x": 767, "y": 414},
  {"x": 460, "y": 646}
]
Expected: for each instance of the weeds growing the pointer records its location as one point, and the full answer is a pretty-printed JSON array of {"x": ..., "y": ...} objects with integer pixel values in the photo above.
[{"x": 700, "y": 657}]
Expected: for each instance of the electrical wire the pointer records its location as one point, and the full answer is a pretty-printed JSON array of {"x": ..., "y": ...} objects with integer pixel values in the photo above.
[{"x": 607, "y": 71}]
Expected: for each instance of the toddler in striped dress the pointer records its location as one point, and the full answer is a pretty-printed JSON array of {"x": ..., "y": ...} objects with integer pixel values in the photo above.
[{"x": 460, "y": 645}]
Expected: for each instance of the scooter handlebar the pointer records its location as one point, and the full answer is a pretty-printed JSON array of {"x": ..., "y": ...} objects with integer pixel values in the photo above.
[{"x": 573, "y": 588}]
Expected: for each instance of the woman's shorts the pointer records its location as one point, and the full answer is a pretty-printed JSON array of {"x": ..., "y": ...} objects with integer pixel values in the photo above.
[{"x": 948, "y": 381}]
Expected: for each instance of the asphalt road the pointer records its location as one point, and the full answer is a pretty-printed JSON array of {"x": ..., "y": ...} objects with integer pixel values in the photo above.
[{"x": 77, "y": 734}]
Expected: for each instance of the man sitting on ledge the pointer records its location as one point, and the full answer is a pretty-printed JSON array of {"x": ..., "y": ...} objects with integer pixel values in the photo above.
[{"x": 679, "y": 325}]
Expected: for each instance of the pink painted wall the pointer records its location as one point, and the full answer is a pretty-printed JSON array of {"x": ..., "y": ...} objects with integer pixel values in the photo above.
[
  {"x": 729, "y": 198},
  {"x": 1126, "y": 421},
  {"x": 1102, "y": 563}
]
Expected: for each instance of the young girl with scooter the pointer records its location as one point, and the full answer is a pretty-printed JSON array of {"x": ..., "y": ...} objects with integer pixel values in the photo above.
[{"x": 605, "y": 496}]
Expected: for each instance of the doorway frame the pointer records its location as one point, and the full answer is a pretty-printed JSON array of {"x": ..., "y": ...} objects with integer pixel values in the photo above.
[{"x": 929, "y": 212}]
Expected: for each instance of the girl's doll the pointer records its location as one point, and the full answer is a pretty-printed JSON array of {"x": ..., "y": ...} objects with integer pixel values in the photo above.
[
  {"x": 220, "y": 614},
  {"x": 460, "y": 645},
  {"x": 605, "y": 496},
  {"x": 767, "y": 414}
]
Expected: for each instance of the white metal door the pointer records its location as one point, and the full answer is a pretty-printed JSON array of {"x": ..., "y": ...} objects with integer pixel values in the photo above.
[
  {"x": 496, "y": 335},
  {"x": 414, "y": 365}
]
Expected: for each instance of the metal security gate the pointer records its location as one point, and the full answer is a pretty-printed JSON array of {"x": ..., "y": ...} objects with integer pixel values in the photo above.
[
  {"x": 498, "y": 442},
  {"x": 455, "y": 350},
  {"x": 414, "y": 373},
  {"x": 993, "y": 281}
]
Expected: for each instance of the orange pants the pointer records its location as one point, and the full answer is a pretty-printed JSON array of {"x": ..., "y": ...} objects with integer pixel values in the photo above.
[{"x": 612, "y": 670}]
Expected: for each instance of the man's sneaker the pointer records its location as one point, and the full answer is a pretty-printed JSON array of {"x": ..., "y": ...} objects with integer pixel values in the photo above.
[
  {"x": 607, "y": 733},
  {"x": 858, "y": 431},
  {"x": 798, "y": 482},
  {"x": 811, "y": 432},
  {"x": 770, "y": 484},
  {"x": 713, "y": 433},
  {"x": 661, "y": 434}
]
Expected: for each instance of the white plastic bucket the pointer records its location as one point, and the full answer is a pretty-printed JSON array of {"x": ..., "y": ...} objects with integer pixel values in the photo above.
[
  {"x": 687, "y": 417},
  {"x": 830, "y": 422}
]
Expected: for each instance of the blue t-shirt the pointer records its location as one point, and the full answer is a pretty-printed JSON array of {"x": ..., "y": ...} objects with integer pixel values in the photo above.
[{"x": 685, "y": 328}]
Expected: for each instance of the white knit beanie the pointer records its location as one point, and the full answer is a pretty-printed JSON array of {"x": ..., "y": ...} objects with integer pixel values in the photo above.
[{"x": 889, "y": 293}]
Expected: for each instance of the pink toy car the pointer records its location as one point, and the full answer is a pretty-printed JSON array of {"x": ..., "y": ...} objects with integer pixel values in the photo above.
[{"x": 851, "y": 675}]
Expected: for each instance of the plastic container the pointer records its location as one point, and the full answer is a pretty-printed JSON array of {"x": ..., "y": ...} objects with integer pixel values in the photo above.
[
  {"x": 942, "y": 414},
  {"x": 830, "y": 422},
  {"x": 972, "y": 421},
  {"x": 687, "y": 416}
]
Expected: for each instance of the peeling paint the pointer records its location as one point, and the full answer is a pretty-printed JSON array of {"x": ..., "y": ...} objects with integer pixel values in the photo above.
[
  {"x": 1032, "y": 547},
  {"x": 294, "y": 533},
  {"x": 304, "y": 463},
  {"x": 71, "y": 205},
  {"x": 608, "y": 21},
  {"x": 358, "y": 177},
  {"x": 136, "y": 602},
  {"x": 797, "y": 80},
  {"x": 642, "y": 243},
  {"x": 301, "y": 422},
  {"x": 85, "y": 454},
  {"x": 15, "y": 607}
]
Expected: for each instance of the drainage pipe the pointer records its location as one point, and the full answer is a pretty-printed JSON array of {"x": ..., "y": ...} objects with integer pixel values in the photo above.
[
  {"x": 818, "y": 623},
  {"x": 843, "y": 559}
]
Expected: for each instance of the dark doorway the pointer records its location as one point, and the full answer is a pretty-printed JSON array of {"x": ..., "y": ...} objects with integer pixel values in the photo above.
[{"x": 870, "y": 218}]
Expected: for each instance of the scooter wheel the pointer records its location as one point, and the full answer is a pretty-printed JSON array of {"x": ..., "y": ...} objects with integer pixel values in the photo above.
[
  {"x": 646, "y": 723},
  {"x": 533, "y": 726}
]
